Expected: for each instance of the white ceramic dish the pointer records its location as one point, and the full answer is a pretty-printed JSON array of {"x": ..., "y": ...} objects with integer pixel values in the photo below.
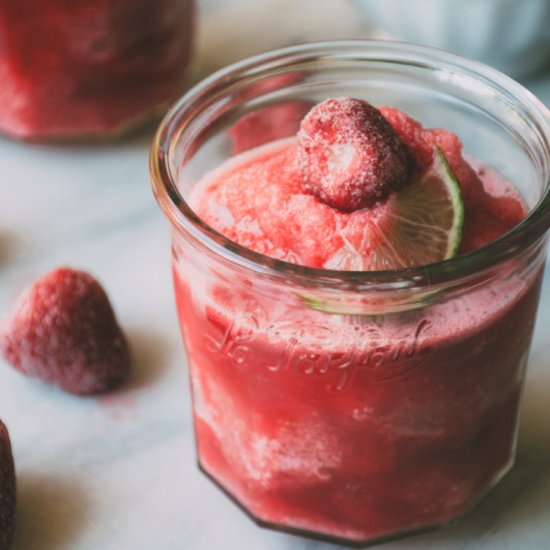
[{"x": 511, "y": 35}]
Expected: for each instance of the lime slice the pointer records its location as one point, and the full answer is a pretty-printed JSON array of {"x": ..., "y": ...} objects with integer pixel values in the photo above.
[{"x": 422, "y": 224}]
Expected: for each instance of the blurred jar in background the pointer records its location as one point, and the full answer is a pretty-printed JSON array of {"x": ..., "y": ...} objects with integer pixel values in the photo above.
[
  {"x": 89, "y": 67},
  {"x": 510, "y": 35}
]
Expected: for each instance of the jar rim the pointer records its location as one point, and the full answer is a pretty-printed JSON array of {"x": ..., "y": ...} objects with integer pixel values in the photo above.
[{"x": 182, "y": 216}]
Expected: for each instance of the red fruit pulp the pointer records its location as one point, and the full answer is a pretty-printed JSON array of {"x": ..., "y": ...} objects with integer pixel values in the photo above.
[
  {"x": 354, "y": 427},
  {"x": 267, "y": 124},
  {"x": 261, "y": 201},
  {"x": 89, "y": 67}
]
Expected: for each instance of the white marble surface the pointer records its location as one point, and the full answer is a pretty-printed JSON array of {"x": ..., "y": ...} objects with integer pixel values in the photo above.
[{"x": 119, "y": 472}]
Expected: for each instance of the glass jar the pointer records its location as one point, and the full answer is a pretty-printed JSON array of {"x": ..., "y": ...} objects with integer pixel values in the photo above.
[
  {"x": 89, "y": 68},
  {"x": 356, "y": 405}
]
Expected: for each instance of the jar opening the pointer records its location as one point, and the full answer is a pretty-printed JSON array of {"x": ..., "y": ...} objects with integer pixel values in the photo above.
[{"x": 523, "y": 117}]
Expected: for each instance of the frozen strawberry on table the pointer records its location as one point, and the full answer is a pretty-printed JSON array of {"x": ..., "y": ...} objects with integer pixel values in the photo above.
[
  {"x": 63, "y": 331},
  {"x": 89, "y": 67},
  {"x": 7, "y": 489}
]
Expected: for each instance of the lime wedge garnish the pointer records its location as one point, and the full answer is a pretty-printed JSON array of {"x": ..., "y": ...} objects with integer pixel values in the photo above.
[{"x": 422, "y": 224}]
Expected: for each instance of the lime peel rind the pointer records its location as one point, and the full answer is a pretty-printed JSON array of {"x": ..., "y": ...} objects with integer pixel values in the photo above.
[{"x": 455, "y": 193}]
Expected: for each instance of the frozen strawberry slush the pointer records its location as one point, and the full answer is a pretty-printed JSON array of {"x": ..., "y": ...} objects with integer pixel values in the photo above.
[
  {"x": 350, "y": 426},
  {"x": 71, "y": 68},
  {"x": 259, "y": 200}
]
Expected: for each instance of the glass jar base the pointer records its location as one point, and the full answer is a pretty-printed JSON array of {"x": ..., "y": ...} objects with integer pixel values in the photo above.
[{"x": 356, "y": 540}]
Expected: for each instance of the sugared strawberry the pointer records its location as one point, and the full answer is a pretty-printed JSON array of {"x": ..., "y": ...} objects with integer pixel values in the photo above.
[
  {"x": 64, "y": 332},
  {"x": 7, "y": 489},
  {"x": 350, "y": 156},
  {"x": 268, "y": 124}
]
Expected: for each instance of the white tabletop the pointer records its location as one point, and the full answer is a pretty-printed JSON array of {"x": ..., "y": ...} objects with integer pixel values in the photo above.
[{"x": 118, "y": 472}]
